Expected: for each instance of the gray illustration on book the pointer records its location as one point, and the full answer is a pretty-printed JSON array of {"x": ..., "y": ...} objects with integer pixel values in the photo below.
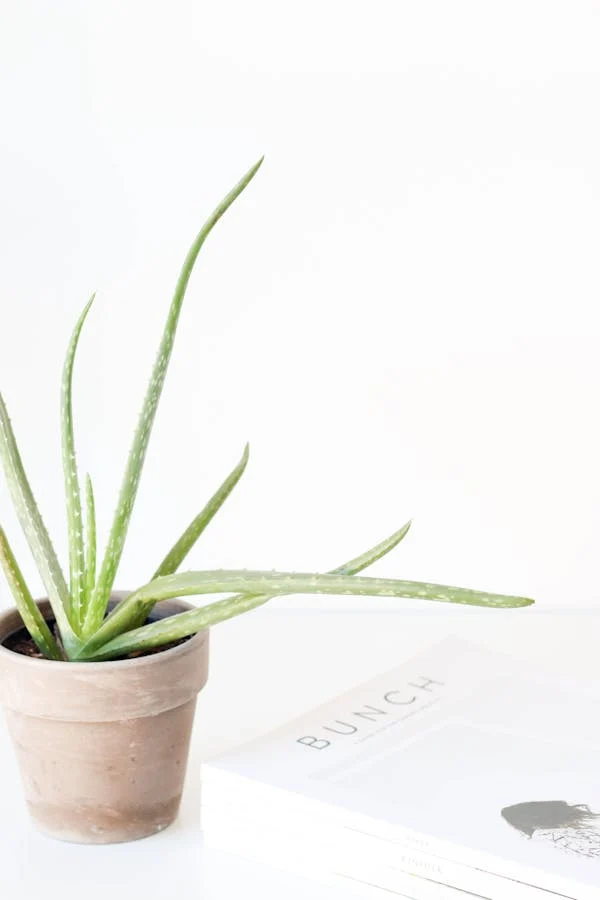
[{"x": 572, "y": 829}]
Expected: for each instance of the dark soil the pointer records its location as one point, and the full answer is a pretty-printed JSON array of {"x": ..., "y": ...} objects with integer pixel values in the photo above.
[{"x": 20, "y": 642}]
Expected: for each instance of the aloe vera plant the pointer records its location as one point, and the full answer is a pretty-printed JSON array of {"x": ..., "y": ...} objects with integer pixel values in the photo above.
[{"x": 84, "y": 629}]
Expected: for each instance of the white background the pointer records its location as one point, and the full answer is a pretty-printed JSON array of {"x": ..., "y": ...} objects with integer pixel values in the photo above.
[{"x": 399, "y": 314}]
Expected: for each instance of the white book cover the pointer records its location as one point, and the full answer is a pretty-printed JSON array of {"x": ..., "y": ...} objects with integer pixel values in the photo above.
[{"x": 461, "y": 753}]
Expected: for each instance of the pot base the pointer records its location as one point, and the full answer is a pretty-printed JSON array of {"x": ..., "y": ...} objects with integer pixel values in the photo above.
[
  {"x": 103, "y": 782},
  {"x": 94, "y": 826}
]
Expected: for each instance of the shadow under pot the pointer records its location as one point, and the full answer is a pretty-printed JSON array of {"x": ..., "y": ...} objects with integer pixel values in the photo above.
[{"x": 102, "y": 746}]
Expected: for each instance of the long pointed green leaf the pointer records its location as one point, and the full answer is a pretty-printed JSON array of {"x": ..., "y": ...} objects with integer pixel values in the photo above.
[
  {"x": 90, "y": 555},
  {"x": 182, "y": 547},
  {"x": 116, "y": 541},
  {"x": 35, "y": 531},
  {"x": 282, "y": 583},
  {"x": 72, "y": 490},
  {"x": 33, "y": 620},
  {"x": 163, "y": 632},
  {"x": 359, "y": 563},
  {"x": 180, "y": 550},
  {"x": 130, "y": 619},
  {"x": 160, "y": 633}
]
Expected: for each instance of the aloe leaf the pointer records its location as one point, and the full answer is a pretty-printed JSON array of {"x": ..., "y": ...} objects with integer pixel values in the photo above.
[
  {"x": 184, "y": 624},
  {"x": 90, "y": 546},
  {"x": 282, "y": 583},
  {"x": 182, "y": 547},
  {"x": 130, "y": 619},
  {"x": 72, "y": 490},
  {"x": 359, "y": 563},
  {"x": 158, "y": 634},
  {"x": 133, "y": 470},
  {"x": 35, "y": 531},
  {"x": 180, "y": 550},
  {"x": 33, "y": 620}
]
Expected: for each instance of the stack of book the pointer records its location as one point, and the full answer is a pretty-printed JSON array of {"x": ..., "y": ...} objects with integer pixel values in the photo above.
[{"x": 460, "y": 773}]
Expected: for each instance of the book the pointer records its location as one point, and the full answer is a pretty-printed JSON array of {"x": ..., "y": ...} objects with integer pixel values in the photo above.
[{"x": 461, "y": 769}]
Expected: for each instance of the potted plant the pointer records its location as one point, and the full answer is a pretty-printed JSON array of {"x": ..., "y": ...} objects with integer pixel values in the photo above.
[{"x": 99, "y": 686}]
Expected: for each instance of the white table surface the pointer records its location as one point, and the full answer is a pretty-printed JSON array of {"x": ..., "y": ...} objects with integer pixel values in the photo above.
[{"x": 266, "y": 667}]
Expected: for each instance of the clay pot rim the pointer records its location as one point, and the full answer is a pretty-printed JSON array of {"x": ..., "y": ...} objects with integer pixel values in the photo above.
[{"x": 168, "y": 607}]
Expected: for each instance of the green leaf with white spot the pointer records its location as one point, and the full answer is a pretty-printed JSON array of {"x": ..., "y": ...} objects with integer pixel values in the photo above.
[
  {"x": 90, "y": 545},
  {"x": 32, "y": 618},
  {"x": 35, "y": 531},
  {"x": 182, "y": 547},
  {"x": 184, "y": 624},
  {"x": 71, "y": 478},
  {"x": 131, "y": 479},
  {"x": 280, "y": 584}
]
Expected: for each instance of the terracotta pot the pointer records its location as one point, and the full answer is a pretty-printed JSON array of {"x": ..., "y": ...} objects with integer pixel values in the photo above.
[{"x": 102, "y": 747}]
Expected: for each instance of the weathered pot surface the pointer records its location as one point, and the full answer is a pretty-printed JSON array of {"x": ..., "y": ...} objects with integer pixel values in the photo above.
[{"x": 102, "y": 747}]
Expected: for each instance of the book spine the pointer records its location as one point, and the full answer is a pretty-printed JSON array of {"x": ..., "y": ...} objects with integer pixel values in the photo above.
[
  {"x": 423, "y": 858},
  {"x": 474, "y": 882},
  {"x": 525, "y": 884},
  {"x": 382, "y": 861},
  {"x": 325, "y": 868}
]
